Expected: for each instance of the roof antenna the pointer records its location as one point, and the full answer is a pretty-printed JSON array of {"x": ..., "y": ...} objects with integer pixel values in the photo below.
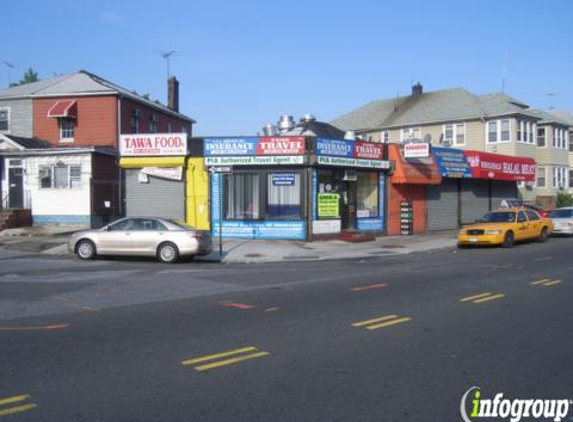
[
  {"x": 551, "y": 95},
  {"x": 167, "y": 56},
  {"x": 10, "y": 66},
  {"x": 504, "y": 71}
]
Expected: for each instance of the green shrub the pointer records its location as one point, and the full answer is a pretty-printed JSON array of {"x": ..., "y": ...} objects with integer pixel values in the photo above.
[{"x": 564, "y": 200}]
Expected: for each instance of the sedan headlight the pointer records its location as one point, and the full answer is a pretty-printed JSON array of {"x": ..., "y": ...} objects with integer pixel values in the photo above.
[{"x": 492, "y": 232}]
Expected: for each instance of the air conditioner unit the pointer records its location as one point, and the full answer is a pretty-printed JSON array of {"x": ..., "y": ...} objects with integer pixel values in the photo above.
[{"x": 447, "y": 142}]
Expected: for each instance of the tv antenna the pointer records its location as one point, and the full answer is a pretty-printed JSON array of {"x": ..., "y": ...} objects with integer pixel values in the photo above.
[
  {"x": 167, "y": 56},
  {"x": 551, "y": 95},
  {"x": 10, "y": 66}
]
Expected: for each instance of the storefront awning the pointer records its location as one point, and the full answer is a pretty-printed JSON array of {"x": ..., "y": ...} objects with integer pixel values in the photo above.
[
  {"x": 140, "y": 162},
  {"x": 418, "y": 171},
  {"x": 63, "y": 108}
]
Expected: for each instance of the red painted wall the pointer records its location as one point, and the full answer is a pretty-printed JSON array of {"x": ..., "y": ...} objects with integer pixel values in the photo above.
[
  {"x": 416, "y": 195},
  {"x": 96, "y": 123},
  {"x": 127, "y": 108}
]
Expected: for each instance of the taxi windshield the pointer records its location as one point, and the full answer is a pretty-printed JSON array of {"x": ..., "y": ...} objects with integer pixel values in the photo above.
[{"x": 498, "y": 217}]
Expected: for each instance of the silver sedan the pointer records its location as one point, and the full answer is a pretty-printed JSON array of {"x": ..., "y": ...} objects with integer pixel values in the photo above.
[
  {"x": 562, "y": 220},
  {"x": 142, "y": 236}
]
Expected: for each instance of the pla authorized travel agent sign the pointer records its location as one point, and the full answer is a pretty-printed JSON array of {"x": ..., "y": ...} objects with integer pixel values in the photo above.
[{"x": 153, "y": 144}]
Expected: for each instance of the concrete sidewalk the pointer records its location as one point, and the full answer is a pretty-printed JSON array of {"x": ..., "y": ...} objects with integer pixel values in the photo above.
[{"x": 51, "y": 240}]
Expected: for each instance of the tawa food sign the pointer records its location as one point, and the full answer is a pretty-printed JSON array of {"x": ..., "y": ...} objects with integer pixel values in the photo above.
[{"x": 153, "y": 144}]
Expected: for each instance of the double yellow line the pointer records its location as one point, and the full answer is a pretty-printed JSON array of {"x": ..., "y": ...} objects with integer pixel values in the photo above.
[
  {"x": 546, "y": 282},
  {"x": 16, "y": 409},
  {"x": 245, "y": 354},
  {"x": 381, "y": 322},
  {"x": 483, "y": 297}
]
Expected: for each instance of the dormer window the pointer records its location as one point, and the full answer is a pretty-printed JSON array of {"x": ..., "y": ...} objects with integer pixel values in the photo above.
[{"x": 4, "y": 119}]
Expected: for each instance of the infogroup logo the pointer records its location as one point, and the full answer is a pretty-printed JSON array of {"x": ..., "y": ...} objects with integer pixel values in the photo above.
[{"x": 513, "y": 410}]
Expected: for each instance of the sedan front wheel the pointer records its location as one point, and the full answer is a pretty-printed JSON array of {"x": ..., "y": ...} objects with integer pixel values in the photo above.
[{"x": 86, "y": 249}]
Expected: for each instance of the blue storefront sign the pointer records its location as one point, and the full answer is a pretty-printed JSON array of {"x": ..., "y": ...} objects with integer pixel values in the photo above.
[
  {"x": 452, "y": 162},
  {"x": 334, "y": 147},
  {"x": 290, "y": 230},
  {"x": 283, "y": 179},
  {"x": 230, "y": 146}
]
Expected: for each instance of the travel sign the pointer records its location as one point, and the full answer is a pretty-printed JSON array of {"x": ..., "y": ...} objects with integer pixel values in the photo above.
[
  {"x": 348, "y": 149},
  {"x": 254, "y": 146}
]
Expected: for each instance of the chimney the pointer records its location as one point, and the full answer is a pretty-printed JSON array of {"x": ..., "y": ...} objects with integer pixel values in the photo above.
[
  {"x": 173, "y": 94},
  {"x": 417, "y": 89}
]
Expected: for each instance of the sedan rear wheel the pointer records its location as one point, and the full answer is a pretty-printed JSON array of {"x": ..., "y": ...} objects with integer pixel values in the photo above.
[
  {"x": 168, "y": 253},
  {"x": 508, "y": 240},
  {"x": 86, "y": 249}
]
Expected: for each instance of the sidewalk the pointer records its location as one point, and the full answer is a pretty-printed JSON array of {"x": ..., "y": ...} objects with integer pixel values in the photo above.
[{"x": 52, "y": 240}]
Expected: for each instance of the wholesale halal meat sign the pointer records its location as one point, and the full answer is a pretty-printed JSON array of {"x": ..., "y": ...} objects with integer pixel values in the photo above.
[{"x": 153, "y": 144}]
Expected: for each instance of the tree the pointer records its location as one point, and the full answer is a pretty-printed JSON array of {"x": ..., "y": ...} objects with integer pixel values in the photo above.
[
  {"x": 564, "y": 200},
  {"x": 29, "y": 77}
]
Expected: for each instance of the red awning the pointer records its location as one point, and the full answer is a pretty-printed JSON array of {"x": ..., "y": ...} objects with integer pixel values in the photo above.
[
  {"x": 63, "y": 108},
  {"x": 421, "y": 171}
]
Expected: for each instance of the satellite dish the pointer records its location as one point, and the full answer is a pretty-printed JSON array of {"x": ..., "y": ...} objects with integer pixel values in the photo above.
[{"x": 427, "y": 138}]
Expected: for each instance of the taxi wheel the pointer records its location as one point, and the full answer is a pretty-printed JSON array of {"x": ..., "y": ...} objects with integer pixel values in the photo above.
[
  {"x": 543, "y": 235},
  {"x": 508, "y": 240}
]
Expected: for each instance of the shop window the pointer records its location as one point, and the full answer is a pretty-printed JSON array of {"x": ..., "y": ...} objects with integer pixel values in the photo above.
[
  {"x": 60, "y": 177},
  {"x": 283, "y": 196},
  {"x": 367, "y": 195},
  {"x": 242, "y": 196}
]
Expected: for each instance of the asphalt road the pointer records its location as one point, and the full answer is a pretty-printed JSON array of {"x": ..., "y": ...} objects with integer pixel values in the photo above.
[{"x": 397, "y": 338}]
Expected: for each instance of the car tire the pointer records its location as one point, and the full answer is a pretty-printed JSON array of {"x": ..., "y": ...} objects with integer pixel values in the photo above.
[
  {"x": 168, "y": 253},
  {"x": 462, "y": 246},
  {"x": 508, "y": 240},
  {"x": 543, "y": 236},
  {"x": 86, "y": 250}
]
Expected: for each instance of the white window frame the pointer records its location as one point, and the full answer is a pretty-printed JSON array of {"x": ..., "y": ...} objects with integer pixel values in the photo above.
[
  {"x": 7, "y": 110},
  {"x": 537, "y": 174},
  {"x": 411, "y": 131},
  {"x": 498, "y": 123},
  {"x": 526, "y": 132},
  {"x": 71, "y": 180},
  {"x": 559, "y": 140},
  {"x": 63, "y": 130},
  {"x": 455, "y": 128},
  {"x": 544, "y": 137},
  {"x": 385, "y": 137},
  {"x": 561, "y": 177}
]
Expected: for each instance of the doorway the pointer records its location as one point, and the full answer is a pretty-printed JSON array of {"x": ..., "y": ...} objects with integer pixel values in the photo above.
[
  {"x": 348, "y": 205},
  {"x": 15, "y": 187}
]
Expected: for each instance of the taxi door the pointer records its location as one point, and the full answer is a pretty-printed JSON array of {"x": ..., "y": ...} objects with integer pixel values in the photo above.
[
  {"x": 535, "y": 224},
  {"x": 523, "y": 230}
]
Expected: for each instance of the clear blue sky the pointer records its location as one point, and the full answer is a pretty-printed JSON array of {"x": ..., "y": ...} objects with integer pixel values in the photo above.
[{"x": 243, "y": 63}]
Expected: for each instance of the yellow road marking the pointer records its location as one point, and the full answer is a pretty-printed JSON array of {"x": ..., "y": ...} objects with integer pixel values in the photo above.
[
  {"x": 14, "y": 399},
  {"x": 485, "y": 299},
  {"x": 467, "y": 299},
  {"x": 388, "y": 323},
  {"x": 218, "y": 355},
  {"x": 18, "y": 409},
  {"x": 371, "y": 321},
  {"x": 230, "y": 361},
  {"x": 551, "y": 283},
  {"x": 544, "y": 280}
]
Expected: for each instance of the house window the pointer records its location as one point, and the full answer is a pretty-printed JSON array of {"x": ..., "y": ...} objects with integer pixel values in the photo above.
[
  {"x": 526, "y": 131},
  {"x": 4, "y": 119},
  {"x": 455, "y": 134},
  {"x": 242, "y": 199},
  {"x": 498, "y": 131},
  {"x": 570, "y": 177},
  {"x": 520, "y": 129},
  {"x": 559, "y": 138},
  {"x": 541, "y": 177},
  {"x": 541, "y": 137},
  {"x": 560, "y": 177},
  {"x": 67, "y": 127},
  {"x": 60, "y": 176},
  {"x": 410, "y": 134},
  {"x": 385, "y": 137},
  {"x": 134, "y": 126},
  {"x": 153, "y": 124},
  {"x": 283, "y": 196}
]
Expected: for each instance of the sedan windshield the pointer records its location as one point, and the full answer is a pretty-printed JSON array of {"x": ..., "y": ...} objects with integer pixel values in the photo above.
[
  {"x": 498, "y": 217},
  {"x": 561, "y": 214}
]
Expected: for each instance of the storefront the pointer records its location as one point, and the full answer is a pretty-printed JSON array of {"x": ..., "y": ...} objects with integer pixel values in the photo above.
[
  {"x": 295, "y": 187},
  {"x": 473, "y": 183},
  {"x": 414, "y": 173},
  {"x": 163, "y": 179}
]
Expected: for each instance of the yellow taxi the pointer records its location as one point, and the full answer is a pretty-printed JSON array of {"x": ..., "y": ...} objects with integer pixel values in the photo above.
[{"x": 505, "y": 227}]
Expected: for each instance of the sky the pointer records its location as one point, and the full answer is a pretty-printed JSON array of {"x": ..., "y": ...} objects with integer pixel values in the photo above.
[{"x": 242, "y": 64}]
